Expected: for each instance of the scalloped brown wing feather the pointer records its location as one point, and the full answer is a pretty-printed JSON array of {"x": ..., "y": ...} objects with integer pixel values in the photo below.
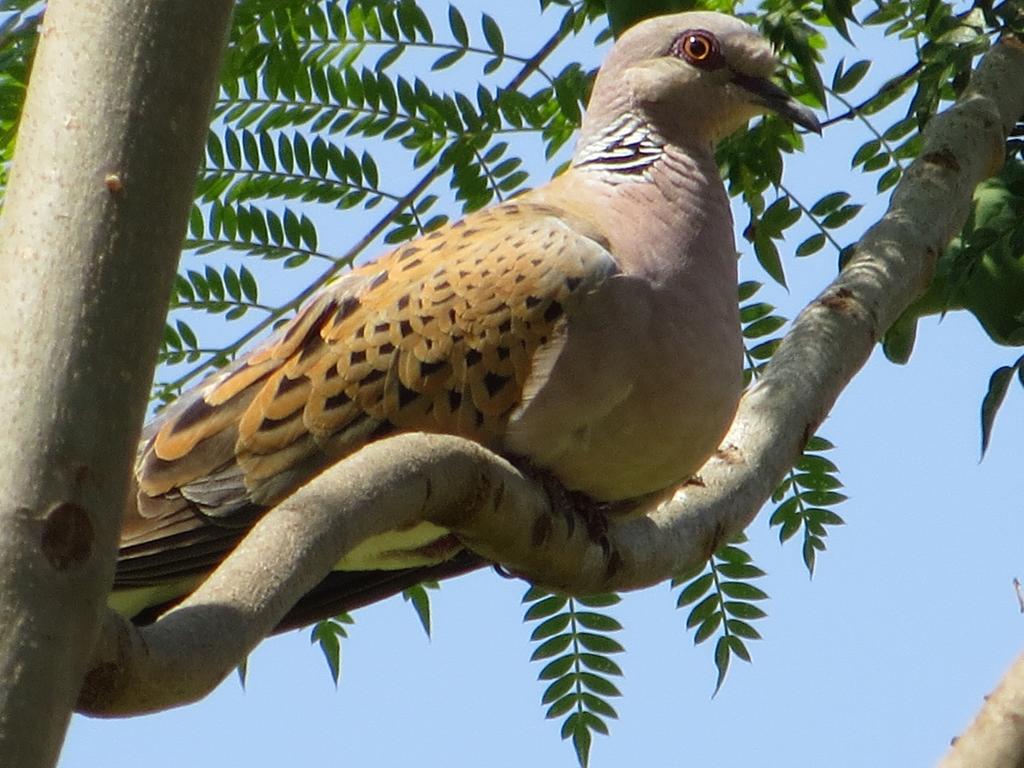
[{"x": 439, "y": 335}]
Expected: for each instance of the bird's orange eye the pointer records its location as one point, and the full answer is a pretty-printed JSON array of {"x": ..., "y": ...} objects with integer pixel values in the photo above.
[{"x": 699, "y": 48}]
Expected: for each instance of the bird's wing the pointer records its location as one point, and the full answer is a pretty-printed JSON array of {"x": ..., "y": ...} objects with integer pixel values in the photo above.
[{"x": 439, "y": 335}]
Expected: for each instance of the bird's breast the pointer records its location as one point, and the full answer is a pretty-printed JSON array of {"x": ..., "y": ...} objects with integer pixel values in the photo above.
[{"x": 637, "y": 393}]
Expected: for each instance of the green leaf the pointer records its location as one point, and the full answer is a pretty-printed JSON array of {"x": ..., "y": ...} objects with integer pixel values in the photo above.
[
  {"x": 816, "y": 481},
  {"x": 738, "y": 647},
  {"x": 492, "y": 34},
  {"x": 171, "y": 338},
  {"x": 598, "y": 622},
  {"x": 594, "y": 723},
  {"x": 214, "y": 150},
  {"x": 448, "y": 59},
  {"x": 748, "y": 288},
  {"x": 599, "y": 643},
  {"x": 779, "y": 216},
  {"x": 823, "y": 516},
  {"x": 457, "y": 24},
  {"x": 998, "y": 385},
  {"x": 707, "y": 628},
  {"x": 721, "y": 662},
  {"x": 231, "y": 284},
  {"x": 811, "y": 245},
  {"x": 599, "y": 685},
  {"x": 195, "y": 222},
  {"x": 552, "y": 647},
  {"x": 739, "y": 571},
  {"x": 533, "y": 594},
  {"x": 285, "y": 153},
  {"x": 743, "y": 610},
  {"x": 557, "y": 690},
  {"x": 765, "y": 350},
  {"x": 865, "y": 152},
  {"x": 561, "y": 706},
  {"x": 733, "y": 554},
  {"x": 187, "y": 335},
  {"x": 301, "y": 148},
  {"x": 389, "y": 57},
  {"x": 546, "y": 607},
  {"x": 789, "y": 528},
  {"x": 557, "y": 668},
  {"x": 601, "y": 664},
  {"x": 849, "y": 79},
  {"x": 308, "y": 233},
  {"x": 742, "y": 590},
  {"x": 233, "y": 148},
  {"x": 900, "y": 129},
  {"x": 816, "y": 464},
  {"x": 598, "y": 706},
  {"x": 250, "y": 150},
  {"x": 551, "y": 627},
  {"x": 879, "y": 161},
  {"x": 581, "y": 741},
  {"x": 768, "y": 257},
  {"x": 292, "y": 229},
  {"x": 787, "y": 508},
  {"x": 742, "y": 629},
  {"x": 421, "y": 604},
  {"x": 704, "y": 609},
  {"x": 817, "y": 444},
  {"x": 328, "y": 635},
  {"x": 250, "y": 289},
  {"x": 829, "y": 203},
  {"x": 889, "y": 179},
  {"x": 695, "y": 590},
  {"x": 763, "y": 327},
  {"x": 843, "y": 216},
  {"x": 809, "y": 555},
  {"x": 823, "y": 498},
  {"x": 752, "y": 312}
]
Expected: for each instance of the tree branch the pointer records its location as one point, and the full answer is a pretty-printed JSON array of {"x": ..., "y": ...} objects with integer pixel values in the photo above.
[
  {"x": 996, "y": 737},
  {"x": 112, "y": 130},
  {"x": 387, "y": 485},
  {"x": 500, "y": 515}
]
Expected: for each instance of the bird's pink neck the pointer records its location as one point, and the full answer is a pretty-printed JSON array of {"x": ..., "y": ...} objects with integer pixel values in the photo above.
[{"x": 667, "y": 220}]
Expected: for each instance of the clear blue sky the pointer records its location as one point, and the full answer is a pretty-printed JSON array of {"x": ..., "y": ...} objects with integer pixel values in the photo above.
[{"x": 880, "y": 660}]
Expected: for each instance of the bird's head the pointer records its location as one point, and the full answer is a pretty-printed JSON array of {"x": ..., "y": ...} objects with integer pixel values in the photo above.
[{"x": 694, "y": 77}]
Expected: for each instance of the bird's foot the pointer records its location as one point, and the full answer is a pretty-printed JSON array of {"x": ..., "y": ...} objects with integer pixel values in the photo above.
[
  {"x": 575, "y": 507},
  {"x": 594, "y": 515}
]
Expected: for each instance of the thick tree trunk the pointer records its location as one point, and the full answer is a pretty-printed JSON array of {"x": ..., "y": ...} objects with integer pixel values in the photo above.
[{"x": 111, "y": 135}]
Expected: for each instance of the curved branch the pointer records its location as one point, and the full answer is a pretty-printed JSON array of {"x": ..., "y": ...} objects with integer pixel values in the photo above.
[
  {"x": 503, "y": 517},
  {"x": 389, "y": 484}
]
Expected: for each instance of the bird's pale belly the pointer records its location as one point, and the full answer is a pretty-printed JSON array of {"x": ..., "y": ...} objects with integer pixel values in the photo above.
[
  {"x": 649, "y": 442},
  {"x": 626, "y": 412}
]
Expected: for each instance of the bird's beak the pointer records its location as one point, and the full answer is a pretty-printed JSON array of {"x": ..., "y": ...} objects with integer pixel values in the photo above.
[{"x": 767, "y": 94}]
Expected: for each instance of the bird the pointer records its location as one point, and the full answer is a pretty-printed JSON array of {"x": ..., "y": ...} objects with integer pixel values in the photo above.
[{"x": 588, "y": 328}]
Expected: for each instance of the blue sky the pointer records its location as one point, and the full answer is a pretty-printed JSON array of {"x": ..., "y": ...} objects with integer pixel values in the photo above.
[{"x": 881, "y": 659}]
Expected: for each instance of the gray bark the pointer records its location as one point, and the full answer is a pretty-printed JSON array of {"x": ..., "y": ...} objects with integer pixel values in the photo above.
[
  {"x": 996, "y": 737},
  {"x": 460, "y": 486},
  {"x": 110, "y": 139}
]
